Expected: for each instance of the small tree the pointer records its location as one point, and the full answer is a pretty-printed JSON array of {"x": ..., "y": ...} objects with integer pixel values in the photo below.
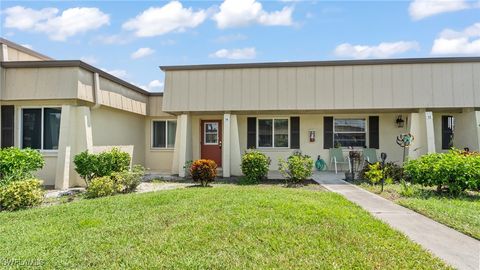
[{"x": 203, "y": 171}]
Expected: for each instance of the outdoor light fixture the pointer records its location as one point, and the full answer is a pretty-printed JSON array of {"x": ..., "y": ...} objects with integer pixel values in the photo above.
[{"x": 400, "y": 122}]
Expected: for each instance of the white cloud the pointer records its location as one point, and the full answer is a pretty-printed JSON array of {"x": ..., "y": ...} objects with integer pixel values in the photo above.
[
  {"x": 237, "y": 54},
  {"x": 234, "y": 13},
  {"x": 142, "y": 52},
  {"x": 466, "y": 41},
  {"x": 120, "y": 73},
  {"x": 420, "y": 9},
  {"x": 58, "y": 26},
  {"x": 113, "y": 39},
  {"x": 382, "y": 50},
  {"x": 92, "y": 60},
  {"x": 172, "y": 17}
]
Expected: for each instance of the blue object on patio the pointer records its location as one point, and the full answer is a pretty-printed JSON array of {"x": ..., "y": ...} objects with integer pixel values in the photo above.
[{"x": 320, "y": 164}]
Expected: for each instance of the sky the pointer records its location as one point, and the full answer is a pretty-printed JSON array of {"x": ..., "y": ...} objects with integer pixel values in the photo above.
[{"x": 131, "y": 39}]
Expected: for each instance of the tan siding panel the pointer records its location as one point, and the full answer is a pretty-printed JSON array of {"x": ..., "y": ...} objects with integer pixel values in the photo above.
[
  {"x": 343, "y": 87},
  {"x": 462, "y": 84},
  {"x": 442, "y": 85},
  {"x": 362, "y": 87},
  {"x": 324, "y": 87},
  {"x": 382, "y": 86},
  {"x": 306, "y": 88},
  {"x": 422, "y": 85},
  {"x": 250, "y": 89},
  {"x": 476, "y": 83},
  {"x": 286, "y": 88},
  {"x": 402, "y": 86}
]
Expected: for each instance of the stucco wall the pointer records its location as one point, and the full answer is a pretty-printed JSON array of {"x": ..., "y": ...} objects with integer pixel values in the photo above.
[
  {"x": 388, "y": 133},
  {"x": 116, "y": 127},
  {"x": 157, "y": 160}
]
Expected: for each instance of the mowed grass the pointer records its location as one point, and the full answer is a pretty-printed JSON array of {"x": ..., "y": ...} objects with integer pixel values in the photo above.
[
  {"x": 461, "y": 213},
  {"x": 227, "y": 227}
]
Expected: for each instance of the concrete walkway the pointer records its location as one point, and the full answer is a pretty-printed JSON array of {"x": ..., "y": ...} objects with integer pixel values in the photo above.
[{"x": 455, "y": 248}]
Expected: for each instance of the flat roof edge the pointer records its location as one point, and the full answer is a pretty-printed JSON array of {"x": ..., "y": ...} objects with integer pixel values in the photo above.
[
  {"x": 77, "y": 63},
  {"x": 326, "y": 63}
]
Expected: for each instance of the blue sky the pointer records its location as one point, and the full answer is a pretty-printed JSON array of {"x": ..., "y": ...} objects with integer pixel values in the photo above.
[{"x": 131, "y": 39}]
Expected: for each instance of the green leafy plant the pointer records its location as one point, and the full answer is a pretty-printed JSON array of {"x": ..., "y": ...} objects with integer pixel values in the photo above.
[
  {"x": 296, "y": 168},
  {"x": 127, "y": 181},
  {"x": 21, "y": 194},
  {"x": 90, "y": 166},
  {"x": 374, "y": 173},
  {"x": 101, "y": 187},
  {"x": 203, "y": 171},
  {"x": 453, "y": 172},
  {"x": 254, "y": 166},
  {"x": 19, "y": 164},
  {"x": 407, "y": 189}
]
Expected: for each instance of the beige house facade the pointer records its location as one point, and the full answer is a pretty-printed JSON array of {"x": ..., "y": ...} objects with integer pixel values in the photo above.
[{"x": 64, "y": 107}]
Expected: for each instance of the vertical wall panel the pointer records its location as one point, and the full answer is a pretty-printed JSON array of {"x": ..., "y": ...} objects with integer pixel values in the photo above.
[
  {"x": 343, "y": 87},
  {"x": 402, "y": 86},
  {"x": 476, "y": 83},
  {"x": 306, "y": 87},
  {"x": 250, "y": 88},
  {"x": 268, "y": 89},
  {"x": 362, "y": 87},
  {"x": 382, "y": 86},
  {"x": 215, "y": 89},
  {"x": 422, "y": 85},
  {"x": 462, "y": 84},
  {"x": 232, "y": 98},
  {"x": 287, "y": 96},
  {"x": 442, "y": 85},
  {"x": 324, "y": 87}
]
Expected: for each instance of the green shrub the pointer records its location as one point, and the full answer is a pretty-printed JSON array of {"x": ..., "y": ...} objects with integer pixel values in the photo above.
[
  {"x": 90, "y": 166},
  {"x": 373, "y": 172},
  {"x": 101, "y": 187},
  {"x": 254, "y": 166},
  {"x": 127, "y": 181},
  {"x": 454, "y": 171},
  {"x": 407, "y": 189},
  {"x": 21, "y": 194},
  {"x": 19, "y": 164},
  {"x": 296, "y": 168},
  {"x": 203, "y": 171}
]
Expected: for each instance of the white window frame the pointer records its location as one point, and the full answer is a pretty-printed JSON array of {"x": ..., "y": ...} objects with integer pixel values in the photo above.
[
  {"x": 347, "y": 132},
  {"x": 166, "y": 134},
  {"x": 20, "y": 138},
  {"x": 273, "y": 132},
  {"x": 205, "y": 132}
]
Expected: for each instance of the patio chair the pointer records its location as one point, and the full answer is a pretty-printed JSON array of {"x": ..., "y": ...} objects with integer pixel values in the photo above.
[
  {"x": 336, "y": 157},
  {"x": 370, "y": 155}
]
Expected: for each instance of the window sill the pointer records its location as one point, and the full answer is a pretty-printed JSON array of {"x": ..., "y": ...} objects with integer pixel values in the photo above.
[
  {"x": 162, "y": 149},
  {"x": 49, "y": 153},
  {"x": 278, "y": 149}
]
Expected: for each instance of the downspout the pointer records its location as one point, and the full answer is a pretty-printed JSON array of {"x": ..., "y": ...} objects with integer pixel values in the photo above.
[{"x": 96, "y": 91}]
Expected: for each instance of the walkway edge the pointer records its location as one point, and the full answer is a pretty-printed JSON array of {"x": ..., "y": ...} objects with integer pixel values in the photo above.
[{"x": 457, "y": 249}]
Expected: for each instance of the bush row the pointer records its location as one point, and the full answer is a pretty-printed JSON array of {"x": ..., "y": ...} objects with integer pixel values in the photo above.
[{"x": 453, "y": 172}]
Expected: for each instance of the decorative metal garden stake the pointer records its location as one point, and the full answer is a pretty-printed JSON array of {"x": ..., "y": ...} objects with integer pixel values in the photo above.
[
  {"x": 404, "y": 141},
  {"x": 383, "y": 156}
]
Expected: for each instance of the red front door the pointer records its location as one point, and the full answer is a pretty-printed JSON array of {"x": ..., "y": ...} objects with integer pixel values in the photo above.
[{"x": 211, "y": 144}]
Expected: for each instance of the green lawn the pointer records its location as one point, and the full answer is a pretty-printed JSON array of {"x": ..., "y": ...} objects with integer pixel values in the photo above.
[
  {"x": 462, "y": 213},
  {"x": 226, "y": 227}
]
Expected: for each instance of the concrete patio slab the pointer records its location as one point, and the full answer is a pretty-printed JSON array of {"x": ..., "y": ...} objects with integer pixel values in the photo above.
[{"x": 455, "y": 248}]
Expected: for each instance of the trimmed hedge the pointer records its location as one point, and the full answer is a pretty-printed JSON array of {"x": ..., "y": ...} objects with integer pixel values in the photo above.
[
  {"x": 90, "y": 166},
  {"x": 19, "y": 164},
  {"x": 254, "y": 166},
  {"x": 21, "y": 194},
  {"x": 454, "y": 172},
  {"x": 296, "y": 168}
]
